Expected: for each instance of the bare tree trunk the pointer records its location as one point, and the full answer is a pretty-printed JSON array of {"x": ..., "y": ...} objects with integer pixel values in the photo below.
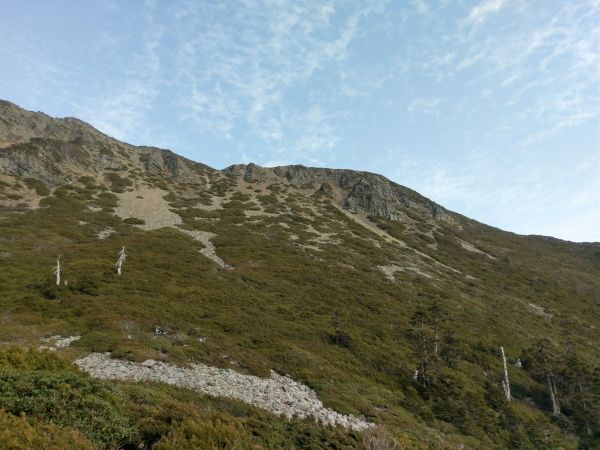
[
  {"x": 553, "y": 396},
  {"x": 122, "y": 257},
  {"x": 505, "y": 381},
  {"x": 57, "y": 271}
]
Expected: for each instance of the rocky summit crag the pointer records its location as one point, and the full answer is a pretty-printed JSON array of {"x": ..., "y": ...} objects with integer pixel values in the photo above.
[{"x": 284, "y": 307}]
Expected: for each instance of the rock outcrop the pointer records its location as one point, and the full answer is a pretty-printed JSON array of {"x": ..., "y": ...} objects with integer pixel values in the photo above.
[
  {"x": 58, "y": 151},
  {"x": 359, "y": 192}
]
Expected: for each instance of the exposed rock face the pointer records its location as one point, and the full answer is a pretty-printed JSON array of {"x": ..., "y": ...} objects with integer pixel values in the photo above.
[
  {"x": 19, "y": 125},
  {"x": 251, "y": 173},
  {"x": 53, "y": 343},
  {"x": 361, "y": 192},
  {"x": 367, "y": 192},
  {"x": 326, "y": 190},
  {"x": 61, "y": 150},
  {"x": 279, "y": 394},
  {"x": 158, "y": 161}
]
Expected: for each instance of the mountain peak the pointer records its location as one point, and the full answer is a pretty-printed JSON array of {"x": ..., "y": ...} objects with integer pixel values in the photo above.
[{"x": 60, "y": 150}]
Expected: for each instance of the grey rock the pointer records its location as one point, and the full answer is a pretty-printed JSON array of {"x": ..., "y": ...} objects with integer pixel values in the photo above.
[{"x": 279, "y": 394}]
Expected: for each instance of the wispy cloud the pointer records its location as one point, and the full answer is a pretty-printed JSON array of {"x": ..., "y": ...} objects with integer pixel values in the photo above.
[
  {"x": 482, "y": 10},
  {"x": 421, "y": 6},
  {"x": 121, "y": 109},
  {"x": 506, "y": 191},
  {"x": 244, "y": 70},
  {"x": 427, "y": 106},
  {"x": 543, "y": 71}
]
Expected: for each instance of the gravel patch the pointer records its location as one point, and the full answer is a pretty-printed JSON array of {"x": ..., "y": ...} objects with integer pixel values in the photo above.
[
  {"x": 390, "y": 271},
  {"x": 56, "y": 342},
  {"x": 149, "y": 205},
  {"x": 471, "y": 248},
  {"x": 209, "y": 249}
]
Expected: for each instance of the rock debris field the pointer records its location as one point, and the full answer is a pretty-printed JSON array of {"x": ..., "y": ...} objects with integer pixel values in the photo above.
[
  {"x": 209, "y": 248},
  {"x": 278, "y": 394}
]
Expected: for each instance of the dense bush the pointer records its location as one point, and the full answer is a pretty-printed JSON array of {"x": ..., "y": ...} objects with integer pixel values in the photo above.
[
  {"x": 48, "y": 390},
  {"x": 22, "y": 433}
]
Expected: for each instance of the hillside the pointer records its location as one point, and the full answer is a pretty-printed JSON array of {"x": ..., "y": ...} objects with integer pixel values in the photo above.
[{"x": 389, "y": 307}]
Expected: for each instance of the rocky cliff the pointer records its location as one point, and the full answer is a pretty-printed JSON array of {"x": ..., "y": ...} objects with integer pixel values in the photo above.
[{"x": 356, "y": 191}]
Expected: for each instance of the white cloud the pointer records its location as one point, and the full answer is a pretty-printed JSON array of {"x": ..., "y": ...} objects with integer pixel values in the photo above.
[
  {"x": 242, "y": 75},
  {"x": 421, "y": 6},
  {"x": 506, "y": 191},
  {"x": 121, "y": 110},
  {"x": 481, "y": 11}
]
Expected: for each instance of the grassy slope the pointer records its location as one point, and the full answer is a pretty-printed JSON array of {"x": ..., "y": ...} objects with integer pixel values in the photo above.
[{"x": 283, "y": 306}]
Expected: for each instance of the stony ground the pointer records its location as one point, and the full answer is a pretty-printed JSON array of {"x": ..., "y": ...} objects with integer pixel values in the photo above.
[
  {"x": 279, "y": 394},
  {"x": 149, "y": 205},
  {"x": 209, "y": 248}
]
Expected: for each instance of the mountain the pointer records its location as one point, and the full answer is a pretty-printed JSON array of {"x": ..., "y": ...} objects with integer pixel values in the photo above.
[{"x": 309, "y": 293}]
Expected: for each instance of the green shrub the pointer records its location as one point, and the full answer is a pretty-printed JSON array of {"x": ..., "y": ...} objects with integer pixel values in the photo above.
[
  {"x": 21, "y": 359},
  {"x": 118, "y": 184},
  {"x": 40, "y": 188},
  {"x": 97, "y": 342},
  {"x": 22, "y": 433},
  {"x": 41, "y": 386},
  {"x": 214, "y": 434},
  {"x": 134, "y": 221}
]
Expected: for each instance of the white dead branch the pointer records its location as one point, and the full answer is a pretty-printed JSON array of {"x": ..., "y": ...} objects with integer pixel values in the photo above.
[
  {"x": 121, "y": 260},
  {"x": 505, "y": 382},
  {"x": 57, "y": 271},
  {"x": 553, "y": 396}
]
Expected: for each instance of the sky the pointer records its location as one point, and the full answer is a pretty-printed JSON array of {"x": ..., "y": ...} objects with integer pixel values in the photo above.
[{"x": 491, "y": 108}]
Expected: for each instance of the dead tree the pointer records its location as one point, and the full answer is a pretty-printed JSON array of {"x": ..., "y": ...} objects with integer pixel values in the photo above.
[
  {"x": 544, "y": 358},
  {"x": 505, "y": 381},
  {"x": 57, "y": 271},
  {"x": 553, "y": 396},
  {"x": 120, "y": 260}
]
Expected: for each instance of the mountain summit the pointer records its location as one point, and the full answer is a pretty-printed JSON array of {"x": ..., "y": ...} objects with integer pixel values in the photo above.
[{"x": 288, "y": 294}]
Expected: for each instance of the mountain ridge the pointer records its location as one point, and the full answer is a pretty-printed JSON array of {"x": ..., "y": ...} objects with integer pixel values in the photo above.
[
  {"x": 355, "y": 184},
  {"x": 384, "y": 304}
]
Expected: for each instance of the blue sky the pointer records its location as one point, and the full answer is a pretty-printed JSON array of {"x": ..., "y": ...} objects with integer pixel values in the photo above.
[{"x": 489, "y": 107}]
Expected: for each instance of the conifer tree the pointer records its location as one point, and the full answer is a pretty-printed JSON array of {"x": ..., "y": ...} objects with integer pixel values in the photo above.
[
  {"x": 544, "y": 363},
  {"x": 421, "y": 335},
  {"x": 432, "y": 342}
]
